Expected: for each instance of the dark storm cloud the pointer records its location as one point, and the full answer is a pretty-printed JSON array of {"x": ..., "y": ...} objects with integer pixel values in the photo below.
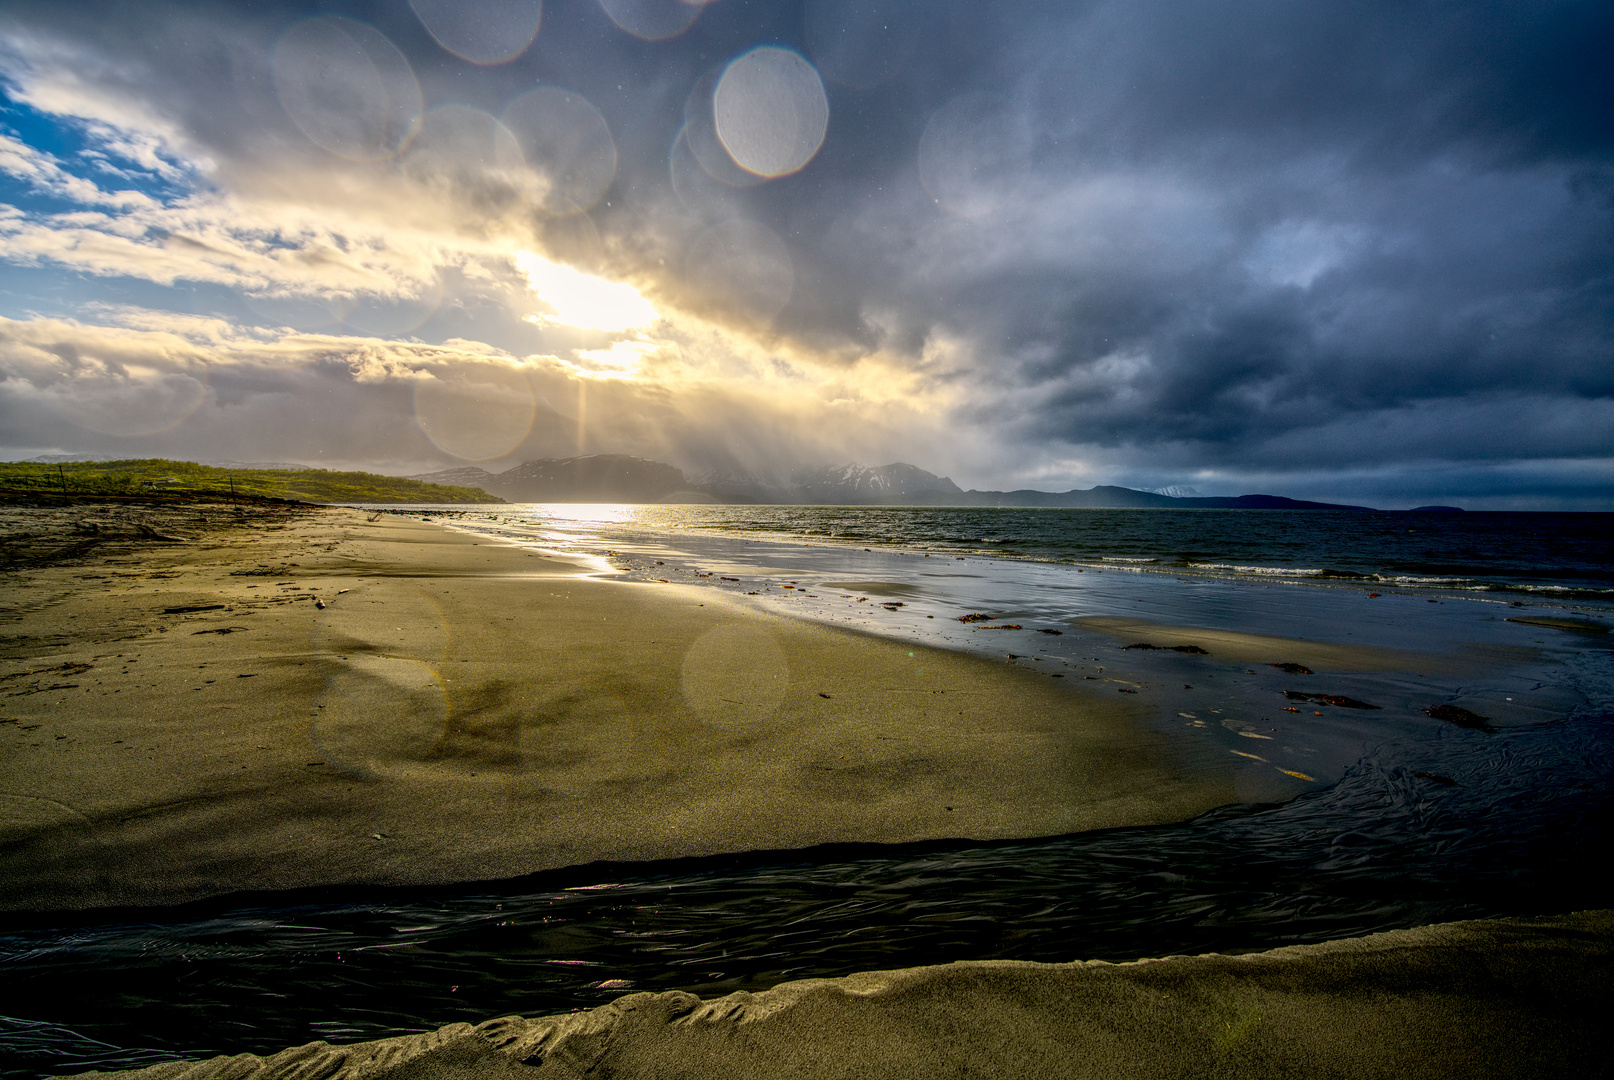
[
  {"x": 1246, "y": 236},
  {"x": 1335, "y": 213},
  {"x": 1234, "y": 221}
]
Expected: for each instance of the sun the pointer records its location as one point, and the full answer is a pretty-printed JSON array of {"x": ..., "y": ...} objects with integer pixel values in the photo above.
[{"x": 582, "y": 300}]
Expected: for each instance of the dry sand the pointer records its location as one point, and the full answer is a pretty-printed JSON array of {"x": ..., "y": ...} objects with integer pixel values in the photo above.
[
  {"x": 459, "y": 710},
  {"x": 1494, "y": 998}
]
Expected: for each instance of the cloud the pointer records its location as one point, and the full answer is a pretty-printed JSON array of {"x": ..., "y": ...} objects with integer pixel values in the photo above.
[
  {"x": 144, "y": 382},
  {"x": 43, "y": 173},
  {"x": 104, "y": 95},
  {"x": 1062, "y": 244},
  {"x": 254, "y": 247}
]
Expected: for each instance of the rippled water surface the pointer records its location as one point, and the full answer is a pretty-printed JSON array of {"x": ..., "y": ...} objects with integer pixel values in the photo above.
[{"x": 1558, "y": 553}]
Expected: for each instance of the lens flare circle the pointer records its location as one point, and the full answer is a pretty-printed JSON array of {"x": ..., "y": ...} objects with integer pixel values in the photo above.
[
  {"x": 481, "y": 31},
  {"x": 735, "y": 676},
  {"x": 132, "y": 404},
  {"x": 347, "y": 88},
  {"x": 974, "y": 155},
  {"x": 652, "y": 20},
  {"x": 466, "y": 156},
  {"x": 702, "y": 196},
  {"x": 476, "y": 414},
  {"x": 700, "y": 136},
  {"x": 385, "y": 716},
  {"x": 770, "y": 111},
  {"x": 565, "y": 147},
  {"x": 385, "y": 316}
]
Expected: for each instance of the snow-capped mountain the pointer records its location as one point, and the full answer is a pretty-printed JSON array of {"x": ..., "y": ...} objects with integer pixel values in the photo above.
[
  {"x": 869, "y": 483},
  {"x": 835, "y": 484}
]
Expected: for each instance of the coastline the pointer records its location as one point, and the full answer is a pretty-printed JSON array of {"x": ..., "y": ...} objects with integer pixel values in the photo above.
[
  {"x": 1492, "y": 998},
  {"x": 383, "y": 700},
  {"x": 450, "y": 709}
]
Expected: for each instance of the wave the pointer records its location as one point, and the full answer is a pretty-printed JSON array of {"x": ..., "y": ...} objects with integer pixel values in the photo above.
[
  {"x": 1273, "y": 571},
  {"x": 1571, "y": 561}
]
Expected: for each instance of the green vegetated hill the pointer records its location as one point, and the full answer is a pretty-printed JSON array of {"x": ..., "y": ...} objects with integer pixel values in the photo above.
[{"x": 154, "y": 475}]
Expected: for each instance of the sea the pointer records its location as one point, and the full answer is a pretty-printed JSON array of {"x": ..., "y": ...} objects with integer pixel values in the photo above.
[{"x": 1476, "y": 782}]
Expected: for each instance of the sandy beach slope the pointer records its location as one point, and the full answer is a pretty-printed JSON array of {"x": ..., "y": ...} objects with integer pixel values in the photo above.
[
  {"x": 1489, "y": 998},
  {"x": 1250, "y": 648},
  {"x": 214, "y": 699}
]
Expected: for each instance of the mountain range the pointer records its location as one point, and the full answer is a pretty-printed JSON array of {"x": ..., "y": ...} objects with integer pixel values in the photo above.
[
  {"x": 620, "y": 478},
  {"x": 595, "y": 478}
]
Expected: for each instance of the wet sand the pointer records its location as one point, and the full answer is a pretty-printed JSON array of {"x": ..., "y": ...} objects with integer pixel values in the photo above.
[
  {"x": 1489, "y": 998},
  {"x": 224, "y": 699},
  {"x": 1247, "y": 648}
]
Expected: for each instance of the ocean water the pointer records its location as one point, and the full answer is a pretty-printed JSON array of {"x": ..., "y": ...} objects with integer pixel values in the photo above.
[
  {"x": 1556, "y": 554},
  {"x": 1350, "y": 820}
]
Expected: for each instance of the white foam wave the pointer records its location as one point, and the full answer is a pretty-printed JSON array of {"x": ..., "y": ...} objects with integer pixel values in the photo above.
[
  {"x": 1270, "y": 571},
  {"x": 1416, "y": 581}
]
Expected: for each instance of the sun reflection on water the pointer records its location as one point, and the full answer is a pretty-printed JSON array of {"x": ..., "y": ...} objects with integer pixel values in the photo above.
[{"x": 599, "y": 513}]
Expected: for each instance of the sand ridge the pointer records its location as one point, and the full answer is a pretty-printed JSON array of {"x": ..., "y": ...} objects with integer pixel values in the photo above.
[
  {"x": 333, "y": 697},
  {"x": 1486, "y": 998},
  {"x": 1247, "y": 648}
]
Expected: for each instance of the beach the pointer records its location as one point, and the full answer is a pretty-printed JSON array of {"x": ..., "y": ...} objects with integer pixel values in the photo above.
[
  {"x": 255, "y": 711},
  {"x": 328, "y": 697}
]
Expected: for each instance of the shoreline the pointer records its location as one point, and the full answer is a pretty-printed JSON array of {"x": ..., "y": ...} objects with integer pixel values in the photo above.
[
  {"x": 1492, "y": 998},
  {"x": 381, "y": 700},
  {"x": 1219, "y": 663},
  {"x": 482, "y": 710},
  {"x": 1150, "y": 566}
]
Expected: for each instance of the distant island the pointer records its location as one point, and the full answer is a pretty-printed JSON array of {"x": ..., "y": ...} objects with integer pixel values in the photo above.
[{"x": 621, "y": 478}]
